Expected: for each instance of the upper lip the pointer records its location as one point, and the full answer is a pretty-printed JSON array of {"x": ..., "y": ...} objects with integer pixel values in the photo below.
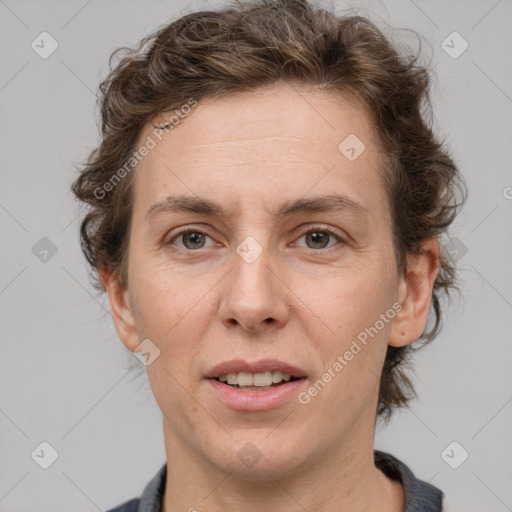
[{"x": 263, "y": 365}]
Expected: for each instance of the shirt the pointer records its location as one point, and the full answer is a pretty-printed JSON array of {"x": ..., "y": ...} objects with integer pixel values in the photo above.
[{"x": 420, "y": 496}]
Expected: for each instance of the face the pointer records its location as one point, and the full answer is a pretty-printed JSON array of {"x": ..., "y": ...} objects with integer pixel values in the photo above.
[{"x": 256, "y": 279}]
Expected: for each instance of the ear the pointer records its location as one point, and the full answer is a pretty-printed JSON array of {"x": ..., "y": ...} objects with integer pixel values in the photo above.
[
  {"x": 415, "y": 294},
  {"x": 121, "y": 310}
]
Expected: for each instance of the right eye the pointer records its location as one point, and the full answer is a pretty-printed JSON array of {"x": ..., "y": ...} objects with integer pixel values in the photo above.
[{"x": 191, "y": 238}]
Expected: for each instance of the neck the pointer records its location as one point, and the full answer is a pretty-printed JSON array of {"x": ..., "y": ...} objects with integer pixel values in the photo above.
[{"x": 344, "y": 479}]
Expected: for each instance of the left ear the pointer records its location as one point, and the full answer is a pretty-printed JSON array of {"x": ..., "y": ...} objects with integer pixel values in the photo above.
[{"x": 415, "y": 294}]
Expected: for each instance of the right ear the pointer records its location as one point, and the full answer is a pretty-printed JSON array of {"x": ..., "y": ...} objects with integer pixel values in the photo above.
[{"x": 121, "y": 309}]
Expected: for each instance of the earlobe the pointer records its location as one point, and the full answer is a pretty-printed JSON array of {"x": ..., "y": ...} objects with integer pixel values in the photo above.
[
  {"x": 120, "y": 309},
  {"x": 415, "y": 295}
]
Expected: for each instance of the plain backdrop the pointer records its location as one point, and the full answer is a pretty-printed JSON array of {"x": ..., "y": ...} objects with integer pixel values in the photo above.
[{"x": 64, "y": 373}]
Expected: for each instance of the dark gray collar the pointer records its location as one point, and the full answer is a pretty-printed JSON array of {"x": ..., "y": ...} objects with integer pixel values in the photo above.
[{"x": 420, "y": 496}]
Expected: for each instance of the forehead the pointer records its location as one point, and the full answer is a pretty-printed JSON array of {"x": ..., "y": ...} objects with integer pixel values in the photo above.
[
  {"x": 271, "y": 143},
  {"x": 286, "y": 115}
]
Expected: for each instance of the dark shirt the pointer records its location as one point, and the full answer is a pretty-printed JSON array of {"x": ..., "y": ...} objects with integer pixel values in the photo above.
[{"x": 420, "y": 496}]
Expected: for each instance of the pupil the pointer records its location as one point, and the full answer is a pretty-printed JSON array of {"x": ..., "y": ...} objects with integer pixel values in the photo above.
[
  {"x": 317, "y": 236},
  {"x": 194, "y": 236}
]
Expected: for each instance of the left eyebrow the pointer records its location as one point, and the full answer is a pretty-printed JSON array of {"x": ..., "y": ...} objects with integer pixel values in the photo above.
[
  {"x": 331, "y": 202},
  {"x": 191, "y": 204}
]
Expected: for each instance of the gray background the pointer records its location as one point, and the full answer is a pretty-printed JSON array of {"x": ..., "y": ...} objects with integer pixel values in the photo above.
[{"x": 64, "y": 374}]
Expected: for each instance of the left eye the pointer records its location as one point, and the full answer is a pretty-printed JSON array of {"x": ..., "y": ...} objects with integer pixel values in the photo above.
[{"x": 320, "y": 237}]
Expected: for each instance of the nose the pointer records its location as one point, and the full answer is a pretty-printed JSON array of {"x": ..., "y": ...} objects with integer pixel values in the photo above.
[{"x": 254, "y": 296}]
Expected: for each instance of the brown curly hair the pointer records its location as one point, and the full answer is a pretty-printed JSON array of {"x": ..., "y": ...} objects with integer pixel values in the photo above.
[{"x": 252, "y": 44}]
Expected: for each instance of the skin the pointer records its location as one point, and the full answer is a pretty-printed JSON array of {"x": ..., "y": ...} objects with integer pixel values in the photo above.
[{"x": 298, "y": 302}]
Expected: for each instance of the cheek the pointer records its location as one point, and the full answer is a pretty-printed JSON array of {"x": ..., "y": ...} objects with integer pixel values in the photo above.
[
  {"x": 349, "y": 325},
  {"x": 348, "y": 300},
  {"x": 173, "y": 310},
  {"x": 162, "y": 295},
  {"x": 177, "y": 401}
]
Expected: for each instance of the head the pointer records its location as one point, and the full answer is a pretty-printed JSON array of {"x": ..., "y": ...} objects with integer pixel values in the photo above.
[{"x": 234, "y": 125}]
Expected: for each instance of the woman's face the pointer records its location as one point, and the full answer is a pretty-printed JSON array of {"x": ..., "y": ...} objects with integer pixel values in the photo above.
[{"x": 256, "y": 280}]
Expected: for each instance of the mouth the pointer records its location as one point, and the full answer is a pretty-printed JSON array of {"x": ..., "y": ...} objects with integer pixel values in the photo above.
[
  {"x": 255, "y": 386},
  {"x": 266, "y": 372}
]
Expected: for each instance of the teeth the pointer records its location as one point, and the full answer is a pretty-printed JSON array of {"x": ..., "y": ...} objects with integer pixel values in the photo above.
[
  {"x": 277, "y": 377},
  {"x": 245, "y": 379},
  {"x": 263, "y": 379},
  {"x": 248, "y": 379}
]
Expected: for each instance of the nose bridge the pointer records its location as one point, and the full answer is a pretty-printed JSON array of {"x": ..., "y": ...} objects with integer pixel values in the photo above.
[
  {"x": 251, "y": 275},
  {"x": 251, "y": 263},
  {"x": 253, "y": 297}
]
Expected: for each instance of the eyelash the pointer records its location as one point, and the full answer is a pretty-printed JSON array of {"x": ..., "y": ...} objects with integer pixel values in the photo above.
[{"x": 320, "y": 229}]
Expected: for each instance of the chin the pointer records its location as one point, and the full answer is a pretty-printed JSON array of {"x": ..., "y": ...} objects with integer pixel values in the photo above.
[
  {"x": 259, "y": 459},
  {"x": 263, "y": 471}
]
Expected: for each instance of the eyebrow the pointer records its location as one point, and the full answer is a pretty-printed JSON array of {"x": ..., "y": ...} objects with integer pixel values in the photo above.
[{"x": 190, "y": 204}]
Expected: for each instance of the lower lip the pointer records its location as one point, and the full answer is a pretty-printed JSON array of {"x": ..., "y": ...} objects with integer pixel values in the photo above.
[{"x": 245, "y": 400}]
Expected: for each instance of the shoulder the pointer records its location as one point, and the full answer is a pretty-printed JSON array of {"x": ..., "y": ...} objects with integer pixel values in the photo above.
[
  {"x": 127, "y": 506},
  {"x": 151, "y": 498},
  {"x": 420, "y": 496}
]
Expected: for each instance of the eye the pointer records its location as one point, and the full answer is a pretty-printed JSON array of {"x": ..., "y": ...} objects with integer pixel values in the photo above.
[
  {"x": 319, "y": 237},
  {"x": 192, "y": 239}
]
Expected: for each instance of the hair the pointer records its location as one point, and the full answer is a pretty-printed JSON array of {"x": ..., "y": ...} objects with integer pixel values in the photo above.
[{"x": 249, "y": 45}]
